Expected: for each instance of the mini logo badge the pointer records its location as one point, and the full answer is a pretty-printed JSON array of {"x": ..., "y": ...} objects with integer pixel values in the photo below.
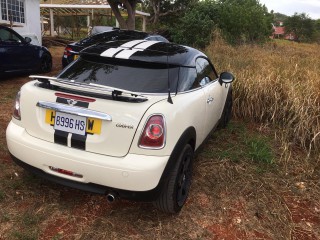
[{"x": 72, "y": 102}]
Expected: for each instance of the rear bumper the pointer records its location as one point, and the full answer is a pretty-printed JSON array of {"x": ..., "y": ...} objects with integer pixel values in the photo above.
[{"x": 130, "y": 176}]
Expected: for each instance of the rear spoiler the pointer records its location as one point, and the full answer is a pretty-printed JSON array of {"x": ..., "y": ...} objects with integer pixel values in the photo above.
[{"x": 88, "y": 87}]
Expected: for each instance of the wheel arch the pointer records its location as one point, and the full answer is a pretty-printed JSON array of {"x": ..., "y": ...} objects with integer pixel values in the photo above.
[
  {"x": 224, "y": 119},
  {"x": 45, "y": 54},
  {"x": 187, "y": 137}
]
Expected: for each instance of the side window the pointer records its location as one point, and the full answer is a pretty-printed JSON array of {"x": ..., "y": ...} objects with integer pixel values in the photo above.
[
  {"x": 205, "y": 73},
  {"x": 162, "y": 39},
  {"x": 8, "y": 36},
  {"x": 151, "y": 38},
  {"x": 187, "y": 79}
]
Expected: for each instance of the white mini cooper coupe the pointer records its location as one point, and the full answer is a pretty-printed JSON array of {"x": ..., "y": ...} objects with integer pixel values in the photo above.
[{"x": 123, "y": 120}]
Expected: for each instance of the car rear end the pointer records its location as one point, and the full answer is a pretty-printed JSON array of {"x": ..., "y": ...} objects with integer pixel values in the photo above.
[
  {"x": 86, "y": 142},
  {"x": 71, "y": 53},
  {"x": 78, "y": 131}
]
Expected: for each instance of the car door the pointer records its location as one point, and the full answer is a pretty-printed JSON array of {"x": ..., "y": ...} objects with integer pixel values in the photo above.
[
  {"x": 15, "y": 54},
  {"x": 208, "y": 80}
]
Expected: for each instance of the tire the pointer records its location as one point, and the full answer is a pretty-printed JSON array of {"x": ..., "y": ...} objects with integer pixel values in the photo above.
[
  {"x": 227, "y": 111},
  {"x": 46, "y": 63},
  {"x": 175, "y": 192}
]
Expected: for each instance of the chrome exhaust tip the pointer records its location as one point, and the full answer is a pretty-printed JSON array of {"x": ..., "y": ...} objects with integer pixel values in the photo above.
[{"x": 111, "y": 197}]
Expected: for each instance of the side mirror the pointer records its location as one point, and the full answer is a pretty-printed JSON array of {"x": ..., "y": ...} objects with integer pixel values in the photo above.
[
  {"x": 27, "y": 40},
  {"x": 226, "y": 77}
]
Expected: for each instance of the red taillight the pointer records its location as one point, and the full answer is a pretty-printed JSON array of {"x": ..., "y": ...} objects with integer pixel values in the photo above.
[
  {"x": 16, "y": 108},
  {"x": 153, "y": 134},
  {"x": 67, "y": 51}
]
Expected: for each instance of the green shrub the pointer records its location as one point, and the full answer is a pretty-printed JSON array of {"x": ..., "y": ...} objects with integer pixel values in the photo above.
[
  {"x": 240, "y": 22},
  {"x": 196, "y": 26}
]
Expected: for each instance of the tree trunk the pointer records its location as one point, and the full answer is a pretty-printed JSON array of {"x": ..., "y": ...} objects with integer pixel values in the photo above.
[
  {"x": 131, "y": 10},
  {"x": 155, "y": 4},
  {"x": 117, "y": 14},
  {"x": 156, "y": 10}
]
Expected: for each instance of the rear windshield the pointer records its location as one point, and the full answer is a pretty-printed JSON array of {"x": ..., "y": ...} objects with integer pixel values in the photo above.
[{"x": 128, "y": 75}]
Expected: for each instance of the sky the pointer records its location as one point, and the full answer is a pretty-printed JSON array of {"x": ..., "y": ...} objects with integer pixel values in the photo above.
[{"x": 289, "y": 7}]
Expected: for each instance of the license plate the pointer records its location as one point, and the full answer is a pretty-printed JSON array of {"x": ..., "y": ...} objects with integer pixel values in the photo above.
[
  {"x": 91, "y": 125},
  {"x": 70, "y": 123}
]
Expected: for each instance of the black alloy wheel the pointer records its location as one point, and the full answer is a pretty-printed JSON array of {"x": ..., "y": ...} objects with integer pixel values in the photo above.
[
  {"x": 175, "y": 193},
  {"x": 227, "y": 110},
  {"x": 184, "y": 177},
  {"x": 46, "y": 63}
]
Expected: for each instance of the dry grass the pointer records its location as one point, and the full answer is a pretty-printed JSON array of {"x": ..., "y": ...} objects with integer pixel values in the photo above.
[
  {"x": 240, "y": 189},
  {"x": 277, "y": 83}
]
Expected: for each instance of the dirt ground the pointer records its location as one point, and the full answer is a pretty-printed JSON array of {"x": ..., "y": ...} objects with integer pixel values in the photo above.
[{"x": 235, "y": 194}]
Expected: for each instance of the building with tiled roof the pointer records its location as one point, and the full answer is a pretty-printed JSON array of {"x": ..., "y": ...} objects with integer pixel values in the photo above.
[{"x": 280, "y": 33}]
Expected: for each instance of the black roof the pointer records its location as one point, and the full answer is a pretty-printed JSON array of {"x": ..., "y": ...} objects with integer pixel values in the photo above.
[
  {"x": 114, "y": 34},
  {"x": 145, "y": 51}
]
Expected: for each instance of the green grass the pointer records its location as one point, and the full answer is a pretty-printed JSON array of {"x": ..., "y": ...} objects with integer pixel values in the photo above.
[
  {"x": 28, "y": 226},
  {"x": 30, "y": 219},
  {"x": 260, "y": 150},
  {"x": 27, "y": 234},
  {"x": 237, "y": 143},
  {"x": 4, "y": 217}
]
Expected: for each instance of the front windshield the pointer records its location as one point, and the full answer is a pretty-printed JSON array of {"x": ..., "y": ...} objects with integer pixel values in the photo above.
[{"x": 128, "y": 75}]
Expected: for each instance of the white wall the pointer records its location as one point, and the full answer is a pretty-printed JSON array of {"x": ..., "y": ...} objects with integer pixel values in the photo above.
[{"x": 32, "y": 25}]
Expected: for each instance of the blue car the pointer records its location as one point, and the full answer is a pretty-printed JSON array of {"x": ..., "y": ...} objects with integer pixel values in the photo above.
[{"x": 18, "y": 55}]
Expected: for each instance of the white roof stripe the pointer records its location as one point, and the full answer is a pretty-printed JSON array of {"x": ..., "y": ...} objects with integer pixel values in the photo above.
[
  {"x": 145, "y": 45},
  {"x": 132, "y": 43},
  {"x": 111, "y": 52},
  {"x": 126, "y": 54},
  {"x": 125, "y": 51}
]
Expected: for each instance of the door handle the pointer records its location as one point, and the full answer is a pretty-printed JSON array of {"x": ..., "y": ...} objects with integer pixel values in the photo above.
[{"x": 210, "y": 99}]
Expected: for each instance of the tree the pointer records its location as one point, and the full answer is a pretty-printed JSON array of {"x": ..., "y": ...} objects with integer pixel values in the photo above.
[
  {"x": 240, "y": 21},
  {"x": 316, "y": 35},
  {"x": 161, "y": 8},
  {"x": 196, "y": 26},
  {"x": 130, "y": 6},
  {"x": 244, "y": 21},
  {"x": 279, "y": 17},
  {"x": 301, "y": 26},
  {"x": 317, "y": 25},
  {"x": 155, "y": 5}
]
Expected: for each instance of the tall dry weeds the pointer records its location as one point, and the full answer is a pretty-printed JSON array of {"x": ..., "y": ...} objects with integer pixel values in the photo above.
[{"x": 276, "y": 83}]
